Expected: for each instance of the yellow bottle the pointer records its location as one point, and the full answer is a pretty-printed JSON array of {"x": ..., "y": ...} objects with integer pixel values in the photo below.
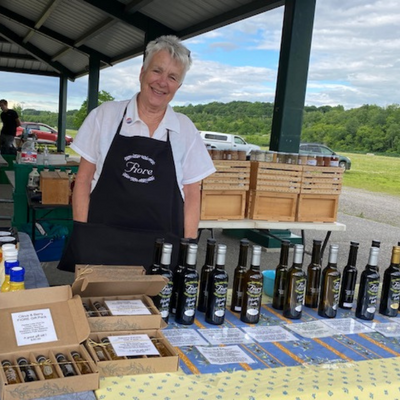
[
  {"x": 5, "y": 287},
  {"x": 17, "y": 275}
]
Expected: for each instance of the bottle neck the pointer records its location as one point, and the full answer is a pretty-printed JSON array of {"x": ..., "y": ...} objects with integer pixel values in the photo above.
[
  {"x": 284, "y": 254},
  {"x": 183, "y": 253},
  {"x": 158, "y": 246},
  {"x": 333, "y": 255},
  {"x": 191, "y": 256},
  {"x": 352, "y": 261},
  {"x": 166, "y": 256},
  {"x": 373, "y": 257},
  {"x": 298, "y": 257},
  {"x": 395, "y": 261},
  {"x": 210, "y": 253},
  {"x": 243, "y": 253},
  {"x": 316, "y": 253},
  {"x": 256, "y": 258},
  {"x": 221, "y": 255}
]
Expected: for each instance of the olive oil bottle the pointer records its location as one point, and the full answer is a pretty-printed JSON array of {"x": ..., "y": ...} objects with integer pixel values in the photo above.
[
  {"x": 349, "y": 279},
  {"x": 281, "y": 276},
  {"x": 205, "y": 274},
  {"x": 313, "y": 285},
  {"x": 238, "y": 276}
]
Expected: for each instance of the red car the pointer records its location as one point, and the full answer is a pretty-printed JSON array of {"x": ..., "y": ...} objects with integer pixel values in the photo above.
[{"x": 45, "y": 134}]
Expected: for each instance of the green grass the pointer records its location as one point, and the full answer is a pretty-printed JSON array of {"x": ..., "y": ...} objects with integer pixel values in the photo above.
[{"x": 374, "y": 173}]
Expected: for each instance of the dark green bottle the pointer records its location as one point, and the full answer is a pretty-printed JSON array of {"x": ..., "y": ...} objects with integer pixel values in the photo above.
[
  {"x": 155, "y": 267},
  {"x": 390, "y": 295},
  {"x": 218, "y": 289},
  {"x": 281, "y": 271},
  {"x": 295, "y": 286},
  {"x": 329, "y": 300},
  {"x": 240, "y": 270},
  {"x": 367, "y": 299},
  {"x": 313, "y": 285},
  {"x": 205, "y": 274},
  {"x": 349, "y": 279}
]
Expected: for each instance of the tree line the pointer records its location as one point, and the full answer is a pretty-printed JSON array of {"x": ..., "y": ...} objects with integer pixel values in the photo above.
[{"x": 369, "y": 128}]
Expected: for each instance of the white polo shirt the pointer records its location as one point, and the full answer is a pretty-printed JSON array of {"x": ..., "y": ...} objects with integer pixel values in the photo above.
[{"x": 93, "y": 140}]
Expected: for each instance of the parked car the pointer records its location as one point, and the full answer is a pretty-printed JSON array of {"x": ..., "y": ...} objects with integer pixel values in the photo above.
[
  {"x": 44, "y": 134},
  {"x": 318, "y": 149},
  {"x": 227, "y": 141}
]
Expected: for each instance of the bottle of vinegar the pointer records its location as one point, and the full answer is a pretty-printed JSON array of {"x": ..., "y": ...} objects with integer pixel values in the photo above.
[
  {"x": 178, "y": 271},
  {"x": 367, "y": 299},
  {"x": 240, "y": 270},
  {"x": 329, "y": 301},
  {"x": 205, "y": 274},
  {"x": 295, "y": 285},
  {"x": 281, "y": 276},
  {"x": 252, "y": 289},
  {"x": 390, "y": 295},
  {"x": 187, "y": 291},
  {"x": 218, "y": 289},
  {"x": 313, "y": 285},
  {"x": 162, "y": 300},
  {"x": 349, "y": 279}
]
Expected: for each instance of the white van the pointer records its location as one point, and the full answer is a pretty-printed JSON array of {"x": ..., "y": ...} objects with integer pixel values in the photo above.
[{"x": 227, "y": 141}]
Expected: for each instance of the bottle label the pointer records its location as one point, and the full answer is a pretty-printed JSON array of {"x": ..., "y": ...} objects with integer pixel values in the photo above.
[
  {"x": 394, "y": 294},
  {"x": 190, "y": 295},
  {"x": 372, "y": 296},
  {"x": 220, "y": 293},
  {"x": 299, "y": 290},
  {"x": 11, "y": 374},
  {"x": 29, "y": 156},
  {"x": 335, "y": 291},
  {"x": 254, "y": 293},
  {"x": 165, "y": 298}
]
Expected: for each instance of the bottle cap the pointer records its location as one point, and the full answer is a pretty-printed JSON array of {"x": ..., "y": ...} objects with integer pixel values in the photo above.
[
  {"x": 10, "y": 264},
  {"x": 17, "y": 274},
  {"x": 10, "y": 254},
  {"x": 7, "y": 240}
]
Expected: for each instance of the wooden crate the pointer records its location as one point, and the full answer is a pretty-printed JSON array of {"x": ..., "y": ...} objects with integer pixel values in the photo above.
[
  {"x": 317, "y": 207},
  {"x": 223, "y": 204},
  {"x": 230, "y": 175},
  {"x": 271, "y": 206},
  {"x": 273, "y": 177},
  {"x": 321, "y": 180},
  {"x": 55, "y": 187}
]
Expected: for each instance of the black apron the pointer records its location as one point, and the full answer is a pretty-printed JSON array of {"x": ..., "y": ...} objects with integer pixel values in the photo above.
[{"x": 136, "y": 200}]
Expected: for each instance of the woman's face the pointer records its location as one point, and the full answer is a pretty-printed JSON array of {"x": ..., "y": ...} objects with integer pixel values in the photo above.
[{"x": 160, "y": 81}]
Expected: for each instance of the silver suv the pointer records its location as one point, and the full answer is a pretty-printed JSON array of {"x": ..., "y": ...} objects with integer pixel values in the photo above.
[{"x": 320, "y": 149}]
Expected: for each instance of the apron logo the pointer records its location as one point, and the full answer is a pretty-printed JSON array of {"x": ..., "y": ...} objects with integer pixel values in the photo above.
[{"x": 139, "y": 168}]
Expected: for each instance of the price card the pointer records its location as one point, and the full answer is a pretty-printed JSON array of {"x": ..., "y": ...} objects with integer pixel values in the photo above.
[
  {"x": 225, "y": 355},
  {"x": 347, "y": 326},
  {"x": 313, "y": 329},
  {"x": 390, "y": 329},
  {"x": 127, "y": 307},
  {"x": 226, "y": 336},
  {"x": 133, "y": 345},
  {"x": 32, "y": 327},
  {"x": 184, "y": 337},
  {"x": 272, "y": 334}
]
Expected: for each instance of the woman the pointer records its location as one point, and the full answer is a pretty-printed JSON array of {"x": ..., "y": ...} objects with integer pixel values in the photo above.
[{"x": 141, "y": 164}]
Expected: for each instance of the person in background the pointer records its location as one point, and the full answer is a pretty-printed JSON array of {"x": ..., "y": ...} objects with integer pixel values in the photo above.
[
  {"x": 10, "y": 121},
  {"x": 140, "y": 170}
]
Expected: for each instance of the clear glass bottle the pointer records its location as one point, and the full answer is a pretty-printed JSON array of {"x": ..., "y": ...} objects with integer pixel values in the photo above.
[
  {"x": 205, "y": 274},
  {"x": 281, "y": 271},
  {"x": 367, "y": 299},
  {"x": 218, "y": 289},
  {"x": 295, "y": 286},
  {"x": 110, "y": 350},
  {"x": 329, "y": 300},
  {"x": 313, "y": 285},
  {"x": 187, "y": 292},
  {"x": 162, "y": 300},
  {"x": 240, "y": 270},
  {"x": 10, "y": 372},
  {"x": 252, "y": 289},
  {"x": 46, "y": 367},
  {"x": 46, "y": 156},
  {"x": 390, "y": 296},
  {"x": 81, "y": 364},
  {"x": 29, "y": 151},
  {"x": 66, "y": 366},
  {"x": 27, "y": 372},
  {"x": 101, "y": 309},
  {"x": 349, "y": 279}
]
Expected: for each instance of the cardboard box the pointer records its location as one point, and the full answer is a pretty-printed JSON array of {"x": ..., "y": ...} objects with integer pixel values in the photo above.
[
  {"x": 102, "y": 284},
  {"x": 105, "y": 273},
  {"x": 55, "y": 187},
  {"x": 317, "y": 207},
  {"x": 271, "y": 206},
  {"x": 70, "y": 327},
  {"x": 168, "y": 362},
  {"x": 223, "y": 205}
]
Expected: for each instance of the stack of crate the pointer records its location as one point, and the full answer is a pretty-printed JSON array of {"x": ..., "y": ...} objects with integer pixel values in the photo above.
[
  {"x": 319, "y": 194},
  {"x": 223, "y": 194},
  {"x": 274, "y": 190}
]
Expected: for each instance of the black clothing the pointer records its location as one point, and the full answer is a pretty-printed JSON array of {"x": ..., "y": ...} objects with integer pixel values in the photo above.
[{"x": 9, "y": 118}]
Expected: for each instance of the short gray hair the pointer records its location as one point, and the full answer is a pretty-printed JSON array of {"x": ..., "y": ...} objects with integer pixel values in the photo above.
[{"x": 175, "y": 48}]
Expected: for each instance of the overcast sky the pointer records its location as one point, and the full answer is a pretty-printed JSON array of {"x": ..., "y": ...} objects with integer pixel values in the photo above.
[{"x": 355, "y": 60}]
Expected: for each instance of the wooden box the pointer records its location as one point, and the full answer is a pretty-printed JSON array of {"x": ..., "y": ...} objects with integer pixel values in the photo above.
[
  {"x": 317, "y": 207},
  {"x": 230, "y": 175},
  {"x": 223, "y": 205},
  {"x": 273, "y": 177},
  {"x": 271, "y": 206},
  {"x": 55, "y": 187},
  {"x": 321, "y": 180}
]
